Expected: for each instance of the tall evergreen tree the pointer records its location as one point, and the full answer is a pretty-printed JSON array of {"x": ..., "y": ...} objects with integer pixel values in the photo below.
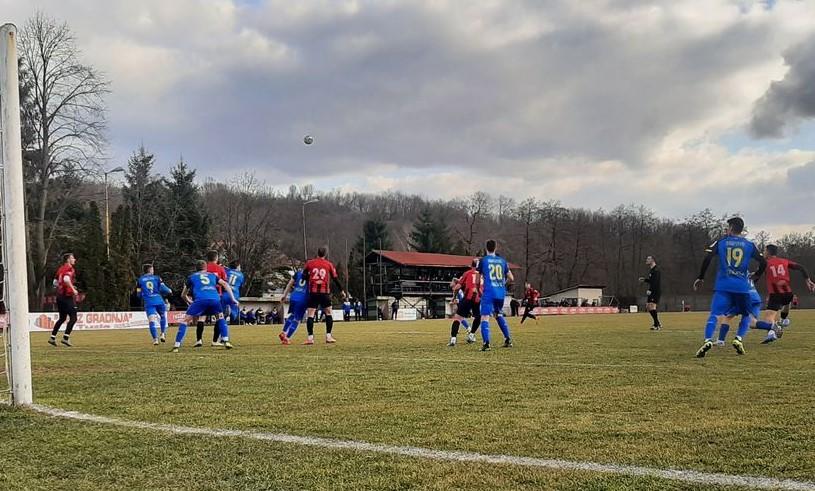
[
  {"x": 186, "y": 224},
  {"x": 430, "y": 234},
  {"x": 121, "y": 275},
  {"x": 144, "y": 194},
  {"x": 94, "y": 265}
]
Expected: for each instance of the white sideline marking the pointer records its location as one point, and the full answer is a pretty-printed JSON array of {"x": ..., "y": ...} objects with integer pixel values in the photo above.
[{"x": 695, "y": 477}]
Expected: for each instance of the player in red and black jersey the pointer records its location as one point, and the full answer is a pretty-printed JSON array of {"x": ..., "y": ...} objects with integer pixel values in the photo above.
[
  {"x": 779, "y": 289},
  {"x": 467, "y": 292},
  {"x": 531, "y": 297},
  {"x": 65, "y": 281},
  {"x": 214, "y": 267},
  {"x": 320, "y": 273}
]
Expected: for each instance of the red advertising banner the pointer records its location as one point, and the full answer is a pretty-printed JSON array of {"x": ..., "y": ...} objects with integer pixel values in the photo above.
[{"x": 574, "y": 310}]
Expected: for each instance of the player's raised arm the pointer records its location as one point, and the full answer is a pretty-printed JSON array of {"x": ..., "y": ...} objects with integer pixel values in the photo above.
[
  {"x": 710, "y": 252},
  {"x": 456, "y": 288},
  {"x": 287, "y": 290},
  {"x": 164, "y": 289},
  {"x": 225, "y": 285},
  {"x": 762, "y": 264},
  {"x": 185, "y": 293}
]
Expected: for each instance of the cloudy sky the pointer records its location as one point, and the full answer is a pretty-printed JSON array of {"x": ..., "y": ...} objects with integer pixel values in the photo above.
[{"x": 679, "y": 105}]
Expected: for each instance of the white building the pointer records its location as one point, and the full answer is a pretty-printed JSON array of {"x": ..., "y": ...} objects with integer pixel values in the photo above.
[{"x": 590, "y": 295}]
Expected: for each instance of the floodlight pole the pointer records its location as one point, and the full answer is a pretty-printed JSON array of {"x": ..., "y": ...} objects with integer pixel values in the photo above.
[{"x": 14, "y": 234}]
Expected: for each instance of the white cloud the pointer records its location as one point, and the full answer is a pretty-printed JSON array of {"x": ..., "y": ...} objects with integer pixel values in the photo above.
[{"x": 594, "y": 103}]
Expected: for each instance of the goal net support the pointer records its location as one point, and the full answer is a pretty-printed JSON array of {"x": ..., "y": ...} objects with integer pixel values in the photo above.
[{"x": 12, "y": 224}]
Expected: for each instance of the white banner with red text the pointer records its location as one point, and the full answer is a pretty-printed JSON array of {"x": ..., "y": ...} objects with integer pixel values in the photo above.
[
  {"x": 574, "y": 310},
  {"x": 94, "y": 321}
]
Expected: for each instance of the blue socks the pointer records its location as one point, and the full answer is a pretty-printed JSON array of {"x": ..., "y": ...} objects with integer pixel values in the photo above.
[
  {"x": 723, "y": 329},
  {"x": 744, "y": 326},
  {"x": 163, "y": 324},
  {"x": 502, "y": 323},
  {"x": 291, "y": 326},
  {"x": 465, "y": 324},
  {"x": 710, "y": 327},
  {"x": 223, "y": 329},
  {"x": 764, "y": 325},
  {"x": 485, "y": 331},
  {"x": 153, "y": 332},
  {"x": 182, "y": 331}
]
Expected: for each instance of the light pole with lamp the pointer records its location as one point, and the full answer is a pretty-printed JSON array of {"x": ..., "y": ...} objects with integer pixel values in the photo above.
[
  {"x": 107, "y": 209},
  {"x": 305, "y": 248}
]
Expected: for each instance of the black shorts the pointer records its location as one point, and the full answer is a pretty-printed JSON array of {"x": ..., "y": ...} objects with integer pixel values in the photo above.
[
  {"x": 468, "y": 308},
  {"x": 318, "y": 300},
  {"x": 66, "y": 305},
  {"x": 653, "y": 297},
  {"x": 777, "y": 301}
]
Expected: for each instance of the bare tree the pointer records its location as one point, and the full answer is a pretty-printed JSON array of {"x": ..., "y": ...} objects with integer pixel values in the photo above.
[
  {"x": 476, "y": 208},
  {"x": 243, "y": 223},
  {"x": 66, "y": 112}
]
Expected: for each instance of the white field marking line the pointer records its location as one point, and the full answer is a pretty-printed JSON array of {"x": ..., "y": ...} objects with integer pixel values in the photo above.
[
  {"x": 693, "y": 363},
  {"x": 689, "y": 476}
]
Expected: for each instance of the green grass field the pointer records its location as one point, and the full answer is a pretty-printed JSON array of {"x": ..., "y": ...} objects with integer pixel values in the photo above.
[{"x": 584, "y": 388}]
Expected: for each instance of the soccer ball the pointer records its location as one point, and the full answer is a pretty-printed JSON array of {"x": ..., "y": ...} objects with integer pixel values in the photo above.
[
  {"x": 785, "y": 322},
  {"x": 308, "y": 140}
]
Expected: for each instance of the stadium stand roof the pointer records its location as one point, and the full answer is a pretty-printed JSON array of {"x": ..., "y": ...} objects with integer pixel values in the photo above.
[
  {"x": 426, "y": 259},
  {"x": 573, "y": 288}
]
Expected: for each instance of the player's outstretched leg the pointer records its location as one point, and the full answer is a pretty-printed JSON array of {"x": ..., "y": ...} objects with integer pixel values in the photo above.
[
  {"x": 151, "y": 325},
  {"x": 485, "y": 334},
  {"x": 474, "y": 328},
  {"x": 738, "y": 343},
  {"x": 710, "y": 328},
  {"x": 163, "y": 324},
  {"x": 502, "y": 323},
  {"x": 723, "y": 330},
  {"x": 199, "y": 334},
  {"x": 223, "y": 331},
  {"x": 329, "y": 325},
  {"x": 284, "y": 333},
  {"x": 179, "y": 337},
  {"x": 454, "y": 332},
  {"x": 310, "y": 330}
]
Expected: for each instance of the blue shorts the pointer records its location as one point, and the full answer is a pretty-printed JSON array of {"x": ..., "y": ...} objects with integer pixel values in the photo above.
[
  {"x": 208, "y": 306},
  {"x": 297, "y": 309},
  {"x": 731, "y": 303},
  {"x": 492, "y": 306},
  {"x": 227, "y": 307},
  {"x": 160, "y": 310}
]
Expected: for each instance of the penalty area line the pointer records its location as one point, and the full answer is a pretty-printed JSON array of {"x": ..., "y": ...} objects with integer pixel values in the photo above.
[{"x": 688, "y": 476}]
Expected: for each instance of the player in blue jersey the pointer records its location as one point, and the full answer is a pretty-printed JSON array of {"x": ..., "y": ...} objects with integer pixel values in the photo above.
[
  {"x": 298, "y": 303},
  {"x": 235, "y": 278},
  {"x": 731, "y": 295},
  {"x": 205, "y": 300},
  {"x": 153, "y": 291},
  {"x": 494, "y": 274}
]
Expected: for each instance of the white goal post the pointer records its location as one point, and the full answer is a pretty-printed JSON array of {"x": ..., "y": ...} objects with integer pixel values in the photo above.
[{"x": 12, "y": 222}]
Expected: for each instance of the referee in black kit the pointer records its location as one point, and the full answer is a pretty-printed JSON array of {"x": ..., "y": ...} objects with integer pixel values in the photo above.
[{"x": 654, "y": 280}]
